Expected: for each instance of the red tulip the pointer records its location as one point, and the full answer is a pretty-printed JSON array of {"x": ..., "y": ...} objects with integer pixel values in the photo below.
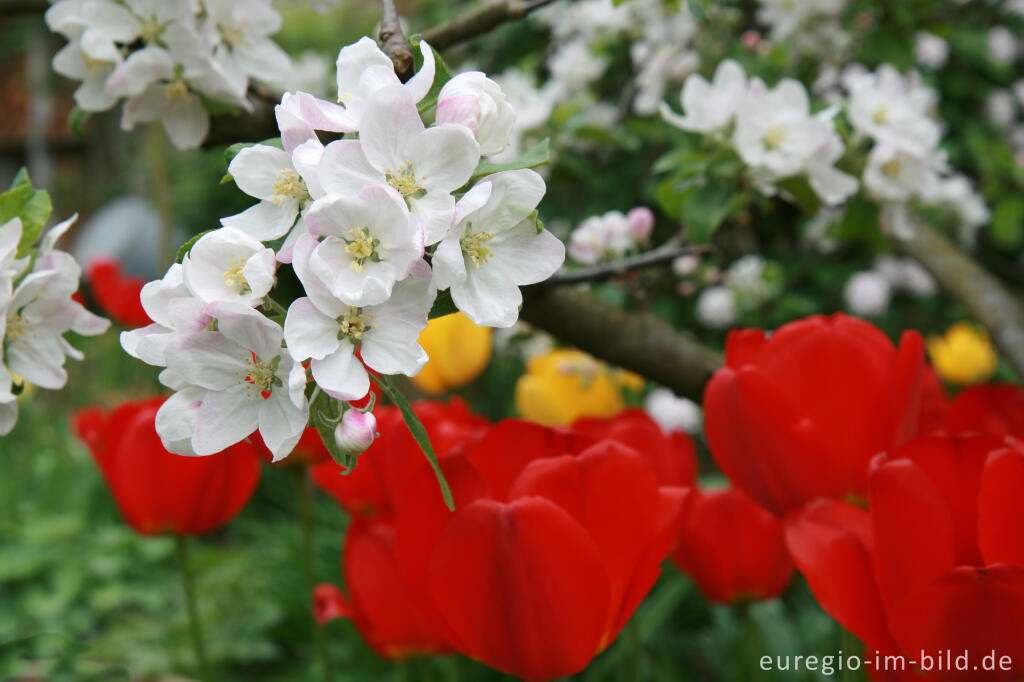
[
  {"x": 934, "y": 403},
  {"x": 116, "y": 293},
  {"x": 937, "y": 563},
  {"x": 672, "y": 456},
  {"x": 733, "y": 549},
  {"x": 159, "y": 492},
  {"x": 995, "y": 408},
  {"x": 552, "y": 545},
  {"x": 380, "y": 606},
  {"x": 385, "y": 468},
  {"x": 797, "y": 415}
]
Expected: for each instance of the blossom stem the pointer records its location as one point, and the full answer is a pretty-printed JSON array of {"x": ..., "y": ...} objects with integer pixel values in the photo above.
[
  {"x": 306, "y": 499},
  {"x": 273, "y": 305},
  {"x": 849, "y": 647},
  {"x": 194, "y": 626},
  {"x": 161, "y": 189}
]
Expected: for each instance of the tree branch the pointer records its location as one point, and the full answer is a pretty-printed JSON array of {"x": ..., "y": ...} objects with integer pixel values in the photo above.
[
  {"x": 479, "y": 21},
  {"x": 393, "y": 41},
  {"x": 640, "y": 342},
  {"x": 10, "y": 8},
  {"x": 984, "y": 296},
  {"x": 666, "y": 253}
]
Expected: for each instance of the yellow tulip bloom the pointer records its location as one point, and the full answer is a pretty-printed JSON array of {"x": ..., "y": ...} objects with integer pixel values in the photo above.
[
  {"x": 963, "y": 355},
  {"x": 562, "y": 385},
  {"x": 459, "y": 351}
]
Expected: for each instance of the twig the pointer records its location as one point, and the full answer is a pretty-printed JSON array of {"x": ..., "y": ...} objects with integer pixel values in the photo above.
[
  {"x": 666, "y": 253},
  {"x": 984, "y": 296},
  {"x": 479, "y": 21},
  {"x": 393, "y": 41},
  {"x": 640, "y": 342}
]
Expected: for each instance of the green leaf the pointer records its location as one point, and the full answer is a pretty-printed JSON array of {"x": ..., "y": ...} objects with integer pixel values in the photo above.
[
  {"x": 418, "y": 431},
  {"x": 705, "y": 209},
  {"x": 1007, "y": 229},
  {"x": 31, "y": 205},
  {"x": 187, "y": 246},
  {"x": 697, "y": 9},
  {"x": 443, "y": 305},
  {"x": 537, "y": 156},
  {"x": 77, "y": 119}
]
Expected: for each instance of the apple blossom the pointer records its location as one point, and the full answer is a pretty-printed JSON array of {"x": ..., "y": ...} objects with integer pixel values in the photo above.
[
  {"x": 893, "y": 174},
  {"x": 229, "y": 265},
  {"x": 671, "y": 412},
  {"x": 640, "y": 223},
  {"x": 241, "y": 30},
  {"x": 602, "y": 238},
  {"x": 330, "y": 332},
  {"x": 709, "y": 106},
  {"x": 893, "y": 109},
  {"x": 495, "y": 247},
  {"x": 475, "y": 101},
  {"x": 716, "y": 307},
  {"x": 239, "y": 379},
  {"x": 930, "y": 50},
  {"x": 370, "y": 240},
  {"x": 867, "y": 293},
  {"x": 424, "y": 165},
  {"x": 268, "y": 174}
]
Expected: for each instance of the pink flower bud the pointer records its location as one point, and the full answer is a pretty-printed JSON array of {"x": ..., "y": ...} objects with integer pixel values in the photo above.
[
  {"x": 641, "y": 223},
  {"x": 750, "y": 39},
  {"x": 356, "y": 431}
]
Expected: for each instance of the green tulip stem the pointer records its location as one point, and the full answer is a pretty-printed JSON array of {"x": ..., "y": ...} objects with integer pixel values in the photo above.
[
  {"x": 194, "y": 626},
  {"x": 306, "y": 500}
]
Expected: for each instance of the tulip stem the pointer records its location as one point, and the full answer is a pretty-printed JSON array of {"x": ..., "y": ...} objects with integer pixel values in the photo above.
[
  {"x": 194, "y": 626},
  {"x": 306, "y": 499},
  {"x": 849, "y": 646}
]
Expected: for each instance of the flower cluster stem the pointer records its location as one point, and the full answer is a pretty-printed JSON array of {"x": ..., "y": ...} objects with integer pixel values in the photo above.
[
  {"x": 306, "y": 499},
  {"x": 194, "y": 626}
]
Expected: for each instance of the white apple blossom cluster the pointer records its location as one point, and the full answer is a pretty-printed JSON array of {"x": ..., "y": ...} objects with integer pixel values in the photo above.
[
  {"x": 748, "y": 283},
  {"x": 373, "y": 225},
  {"x": 809, "y": 26},
  {"x": 611, "y": 236},
  {"x": 869, "y": 292},
  {"x": 905, "y": 164},
  {"x": 771, "y": 129},
  {"x": 36, "y": 311},
  {"x": 164, "y": 57}
]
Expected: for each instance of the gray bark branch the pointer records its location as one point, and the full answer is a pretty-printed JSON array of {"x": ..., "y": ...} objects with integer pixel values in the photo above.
[{"x": 479, "y": 21}]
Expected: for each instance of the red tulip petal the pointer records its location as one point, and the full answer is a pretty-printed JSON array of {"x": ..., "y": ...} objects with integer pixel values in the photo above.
[
  {"x": 995, "y": 408},
  {"x": 977, "y": 610},
  {"x": 523, "y": 586},
  {"x": 912, "y": 529},
  {"x": 1001, "y": 508},
  {"x": 511, "y": 444},
  {"x": 829, "y": 542},
  {"x": 742, "y": 346},
  {"x": 421, "y": 520},
  {"x": 381, "y": 604},
  {"x": 329, "y": 603}
]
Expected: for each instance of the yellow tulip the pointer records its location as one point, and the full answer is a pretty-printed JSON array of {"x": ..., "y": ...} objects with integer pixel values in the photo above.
[
  {"x": 562, "y": 385},
  {"x": 458, "y": 349},
  {"x": 963, "y": 355}
]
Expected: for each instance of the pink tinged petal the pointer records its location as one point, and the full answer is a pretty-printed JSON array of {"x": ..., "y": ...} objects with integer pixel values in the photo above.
[
  {"x": 389, "y": 127},
  {"x": 225, "y": 418},
  {"x": 344, "y": 168},
  {"x": 341, "y": 374},
  {"x": 323, "y": 115},
  {"x": 461, "y": 110},
  {"x": 255, "y": 170},
  {"x": 265, "y": 221},
  {"x": 309, "y": 333}
]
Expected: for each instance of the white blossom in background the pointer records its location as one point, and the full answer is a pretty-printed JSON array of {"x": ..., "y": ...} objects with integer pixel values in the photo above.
[
  {"x": 709, "y": 107},
  {"x": 893, "y": 174},
  {"x": 787, "y": 18},
  {"x": 906, "y": 275},
  {"x": 716, "y": 307},
  {"x": 893, "y": 109},
  {"x": 958, "y": 194},
  {"x": 684, "y": 266},
  {"x": 753, "y": 281},
  {"x": 673, "y": 413},
  {"x": 663, "y": 54},
  {"x": 162, "y": 58},
  {"x": 867, "y": 293},
  {"x": 574, "y": 66},
  {"x": 36, "y": 311},
  {"x": 930, "y": 50},
  {"x": 1001, "y": 108},
  {"x": 606, "y": 237},
  {"x": 1002, "y": 45},
  {"x": 533, "y": 106}
]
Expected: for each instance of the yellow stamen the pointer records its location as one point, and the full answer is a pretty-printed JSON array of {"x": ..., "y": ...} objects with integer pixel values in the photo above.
[
  {"x": 473, "y": 246},
  {"x": 773, "y": 137},
  {"x": 892, "y": 168},
  {"x": 288, "y": 184},
  {"x": 354, "y": 324},
  {"x": 362, "y": 246},
  {"x": 406, "y": 182},
  {"x": 234, "y": 278}
]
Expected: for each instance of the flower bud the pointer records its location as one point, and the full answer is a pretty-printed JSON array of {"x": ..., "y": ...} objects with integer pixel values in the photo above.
[
  {"x": 356, "y": 431},
  {"x": 641, "y": 222},
  {"x": 473, "y": 100}
]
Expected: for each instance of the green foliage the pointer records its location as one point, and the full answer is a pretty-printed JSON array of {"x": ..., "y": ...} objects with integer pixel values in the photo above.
[
  {"x": 187, "y": 246},
  {"x": 537, "y": 155},
  {"x": 31, "y": 205}
]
